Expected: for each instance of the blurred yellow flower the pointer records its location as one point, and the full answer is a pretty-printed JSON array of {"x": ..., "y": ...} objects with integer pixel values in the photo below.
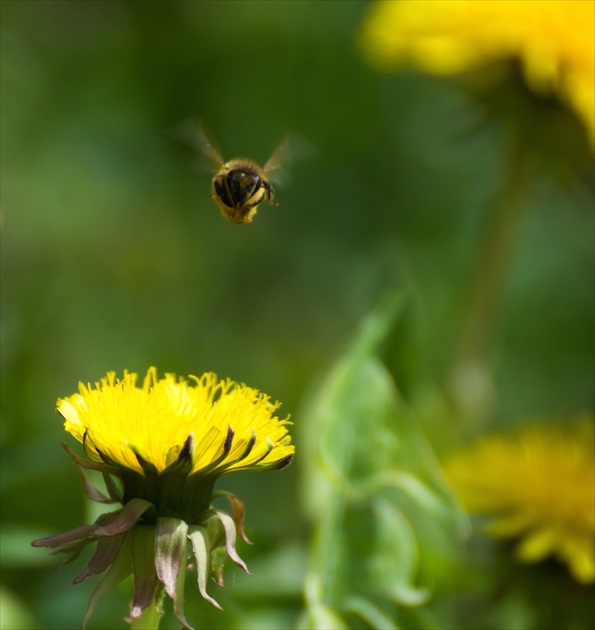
[
  {"x": 233, "y": 427},
  {"x": 538, "y": 485},
  {"x": 553, "y": 39}
]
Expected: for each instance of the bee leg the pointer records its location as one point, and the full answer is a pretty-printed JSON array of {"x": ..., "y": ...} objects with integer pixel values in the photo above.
[
  {"x": 250, "y": 214},
  {"x": 269, "y": 194}
]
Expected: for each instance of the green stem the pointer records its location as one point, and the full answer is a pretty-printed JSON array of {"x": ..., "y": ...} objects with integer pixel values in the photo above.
[
  {"x": 151, "y": 616},
  {"x": 481, "y": 308}
]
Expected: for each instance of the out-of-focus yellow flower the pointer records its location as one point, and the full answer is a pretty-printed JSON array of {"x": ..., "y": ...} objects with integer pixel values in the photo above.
[
  {"x": 553, "y": 39},
  {"x": 538, "y": 485}
]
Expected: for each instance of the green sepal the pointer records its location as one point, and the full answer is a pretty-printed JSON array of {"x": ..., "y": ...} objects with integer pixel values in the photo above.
[
  {"x": 115, "y": 494},
  {"x": 93, "y": 493},
  {"x": 218, "y": 552},
  {"x": 282, "y": 463},
  {"x": 119, "y": 569},
  {"x": 230, "y": 538},
  {"x": 106, "y": 459},
  {"x": 201, "y": 547},
  {"x": 126, "y": 518},
  {"x": 171, "y": 539},
  {"x": 174, "y": 497},
  {"x": 142, "y": 485},
  {"x": 74, "y": 550},
  {"x": 257, "y": 465},
  {"x": 277, "y": 465},
  {"x": 181, "y": 459},
  {"x": 248, "y": 449},
  {"x": 73, "y": 541},
  {"x": 226, "y": 448},
  {"x": 237, "y": 512},
  {"x": 179, "y": 597},
  {"x": 198, "y": 493},
  {"x": 113, "y": 490},
  {"x": 107, "y": 549},
  {"x": 218, "y": 557},
  {"x": 77, "y": 534},
  {"x": 143, "y": 568},
  {"x": 85, "y": 463}
]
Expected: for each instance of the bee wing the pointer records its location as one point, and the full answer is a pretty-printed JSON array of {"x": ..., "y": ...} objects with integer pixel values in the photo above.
[
  {"x": 200, "y": 138},
  {"x": 207, "y": 144},
  {"x": 282, "y": 155},
  {"x": 291, "y": 148}
]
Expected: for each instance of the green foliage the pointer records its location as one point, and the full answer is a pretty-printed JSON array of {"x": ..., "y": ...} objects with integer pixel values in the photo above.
[{"x": 371, "y": 486}]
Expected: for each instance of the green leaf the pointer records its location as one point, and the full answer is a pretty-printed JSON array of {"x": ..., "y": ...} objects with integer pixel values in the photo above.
[
  {"x": 14, "y": 613},
  {"x": 320, "y": 616},
  {"x": 371, "y": 614},
  {"x": 394, "y": 558},
  {"x": 372, "y": 485}
]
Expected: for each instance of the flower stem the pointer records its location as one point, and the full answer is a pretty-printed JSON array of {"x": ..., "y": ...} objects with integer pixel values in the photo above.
[
  {"x": 471, "y": 384},
  {"x": 151, "y": 616}
]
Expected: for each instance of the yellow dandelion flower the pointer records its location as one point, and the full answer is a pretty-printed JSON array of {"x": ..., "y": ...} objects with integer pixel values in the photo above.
[
  {"x": 161, "y": 447},
  {"x": 553, "y": 39},
  {"x": 118, "y": 421},
  {"x": 538, "y": 486}
]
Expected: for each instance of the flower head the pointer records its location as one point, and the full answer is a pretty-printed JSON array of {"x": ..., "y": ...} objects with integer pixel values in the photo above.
[
  {"x": 161, "y": 447},
  {"x": 233, "y": 427},
  {"x": 538, "y": 486},
  {"x": 553, "y": 39}
]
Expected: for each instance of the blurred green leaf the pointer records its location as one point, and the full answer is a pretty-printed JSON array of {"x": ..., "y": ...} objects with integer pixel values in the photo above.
[
  {"x": 13, "y": 613},
  {"x": 16, "y": 550},
  {"x": 276, "y": 576},
  {"x": 370, "y": 480}
]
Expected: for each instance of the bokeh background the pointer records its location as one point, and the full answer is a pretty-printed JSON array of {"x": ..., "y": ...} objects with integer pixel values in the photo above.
[{"x": 115, "y": 257}]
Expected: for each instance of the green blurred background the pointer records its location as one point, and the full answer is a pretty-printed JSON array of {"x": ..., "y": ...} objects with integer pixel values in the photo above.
[{"x": 115, "y": 257}]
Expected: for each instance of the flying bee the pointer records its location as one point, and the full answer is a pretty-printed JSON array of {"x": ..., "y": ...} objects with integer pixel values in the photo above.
[{"x": 241, "y": 185}]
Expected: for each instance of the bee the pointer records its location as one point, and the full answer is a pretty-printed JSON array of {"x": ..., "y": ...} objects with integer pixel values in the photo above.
[{"x": 241, "y": 185}]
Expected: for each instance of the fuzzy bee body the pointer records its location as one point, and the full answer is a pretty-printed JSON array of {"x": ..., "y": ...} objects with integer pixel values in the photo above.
[{"x": 239, "y": 187}]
